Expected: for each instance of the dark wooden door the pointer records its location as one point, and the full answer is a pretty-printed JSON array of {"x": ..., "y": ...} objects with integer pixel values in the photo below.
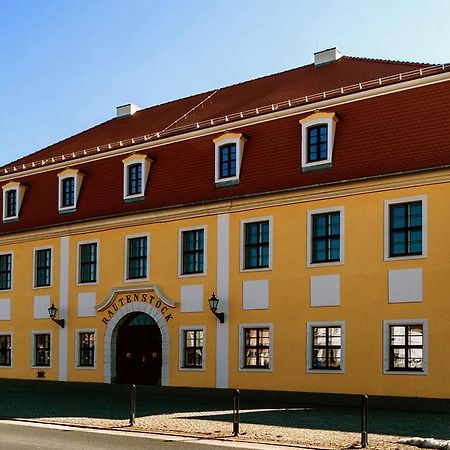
[{"x": 138, "y": 351}]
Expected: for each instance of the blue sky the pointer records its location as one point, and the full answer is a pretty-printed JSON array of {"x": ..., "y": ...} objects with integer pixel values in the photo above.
[{"x": 66, "y": 65}]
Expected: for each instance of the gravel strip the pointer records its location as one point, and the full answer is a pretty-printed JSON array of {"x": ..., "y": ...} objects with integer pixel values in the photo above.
[{"x": 187, "y": 424}]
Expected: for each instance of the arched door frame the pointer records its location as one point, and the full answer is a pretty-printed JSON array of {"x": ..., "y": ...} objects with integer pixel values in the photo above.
[{"x": 112, "y": 329}]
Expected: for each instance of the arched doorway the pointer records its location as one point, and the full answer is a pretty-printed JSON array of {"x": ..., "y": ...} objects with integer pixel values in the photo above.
[{"x": 139, "y": 350}]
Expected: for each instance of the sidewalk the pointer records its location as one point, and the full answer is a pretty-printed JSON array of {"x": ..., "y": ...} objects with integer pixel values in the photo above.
[{"x": 207, "y": 413}]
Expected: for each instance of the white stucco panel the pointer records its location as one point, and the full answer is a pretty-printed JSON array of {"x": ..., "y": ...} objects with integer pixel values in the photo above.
[
  {"x": 255, "y": 294},
  {"x": 86, "y": 304},
  {"x": 326, "y": 290},
  {"x": 5, "y": 309},
  {"x": 191, "y": 298},
  {"x": 41, "y": 305},
  {"x": 405, "y": 285}
]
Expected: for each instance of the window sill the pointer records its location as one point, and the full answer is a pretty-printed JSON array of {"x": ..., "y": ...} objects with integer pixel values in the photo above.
[
  {"x": 68, "y": 210},
  {"x": 312, "y": 167},
  {"x": 326, "y": 371},
  {"x": 324, "y": 264},
  {"x": 10, "y": 219},
  {"x": 42, "y": 287},
  {"x": 136, "y": 280},
  {"x": 134, "y": 198},
  {"x": 256, "y": 269},
  {"x": 405, "y": 372},
  {"x": 404, "y": 258},
  {"x": 227, "y": 182},
  {"x": 191, "y": 369},
  {"x": 192, "y": 275},
  {"x": 256, "y": 369},
  {"x": 6, "y": 367},
  {"x": 85, "y": 367}
]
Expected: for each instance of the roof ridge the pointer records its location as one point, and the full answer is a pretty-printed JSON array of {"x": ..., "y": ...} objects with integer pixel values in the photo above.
[{"x": 389, "y": 61}]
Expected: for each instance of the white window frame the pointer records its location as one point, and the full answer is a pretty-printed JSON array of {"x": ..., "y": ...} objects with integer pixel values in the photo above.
[
  {"x": 242, "y": 243},
  {"x": 20, "y": 192},
  {"x": 78, "y": 331},
  {"x": 241, "y": 362},
  {"x": 79, "y": 244},
  {"x": 8, "y": 333},
  {"x": 181, "y": 346},
  {"x": 309, "y": 234},
  {"x": 309, "y": 344},
  {"x": 237, "y": 139},
  {"x": 9, "y": 252},
  {"x": 318, "y": 118},
  {"x": 386, "y": 346},
  {"x": 35, "y": 249},
  {"x": 145, "y": 163},
  {"x": 387, "y": 204},
  {"x": 147, "y": 277},
  {"x": 180, "y": 251},
  {"x": 33, "y": 352},
  {"x": 77, "y": 180}
]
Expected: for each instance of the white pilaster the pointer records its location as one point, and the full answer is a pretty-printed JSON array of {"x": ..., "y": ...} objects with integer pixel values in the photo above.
[
  {"x": 63, "y": 307},
  {"x": 223, "y": 289}
]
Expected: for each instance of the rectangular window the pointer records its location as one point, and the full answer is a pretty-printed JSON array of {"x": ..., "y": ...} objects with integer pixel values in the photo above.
[
  {"x": 326, "y": 237},
  {"x": 405, "y": 229},
  {"x": 86, "y": 349},
  {"x": 193, "y": 349},
  {"x": 406, "y": 349},
  {"x": 317, "y": 146},
  {"x": 193, "y": 251},
  {"x": 256, "y": 348},
  {"x": 134, "y": 179},
  {"x": 43, "y": 261},
  {"x": 256, "y": 246},
  {"x": 5, "y": 271},
  {"x": 326, "y": 348},
  {"x": 5, "y": 350},
  {"x": 87, "y": 272},
  {"x": 227, "y": 161},
  {"x": 42, "y": 350},
  {"x": 11, "y": 203},
  {"x": 137, "y": 258},
  {"x": 68, "y": 192}
]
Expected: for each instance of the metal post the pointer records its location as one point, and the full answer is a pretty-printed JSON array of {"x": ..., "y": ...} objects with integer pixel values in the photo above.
[
  {"x": 132, "y": 404},
  {"x": 236, "y": 412},
  {"x": 364, "y": 417}
]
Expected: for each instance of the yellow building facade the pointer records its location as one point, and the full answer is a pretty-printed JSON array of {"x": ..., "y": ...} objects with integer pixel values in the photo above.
[{"x": 335, "y": 286}]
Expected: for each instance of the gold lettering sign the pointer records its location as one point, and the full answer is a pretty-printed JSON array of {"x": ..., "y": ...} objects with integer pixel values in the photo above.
[{"x": 122, "y": 298}]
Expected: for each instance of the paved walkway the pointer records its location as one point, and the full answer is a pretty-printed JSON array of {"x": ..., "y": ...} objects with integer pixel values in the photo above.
[{"x": 208, "y": 414}]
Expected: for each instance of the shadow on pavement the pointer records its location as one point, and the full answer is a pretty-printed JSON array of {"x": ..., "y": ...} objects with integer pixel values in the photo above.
[{"x": 46, "y": 399}]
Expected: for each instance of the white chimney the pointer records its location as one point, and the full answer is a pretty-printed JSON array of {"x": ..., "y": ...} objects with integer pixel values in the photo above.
[
  {"x": 327, "y": 56},
  {"x": 126, "y": 110}
]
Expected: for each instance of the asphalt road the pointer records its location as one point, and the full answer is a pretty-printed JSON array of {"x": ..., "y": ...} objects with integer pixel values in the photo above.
[{"x": 15, "y": 435}]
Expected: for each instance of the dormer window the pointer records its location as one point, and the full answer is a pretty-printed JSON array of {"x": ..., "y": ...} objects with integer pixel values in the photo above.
[
  {"x": 318, "y": 132},
  {"x": 134, "y": 179},
  {"x": 13, "y": 193},
  {"x": 69, "y": 189},
  {"x": 135, "y": 172},
  {"x": 227, "y": 161},
  {"x": 68, "y": 192},
  {"x": 11, "y": 203},
  {"x": 229, "y": 149},
  {"x": 317, "y": 143}
]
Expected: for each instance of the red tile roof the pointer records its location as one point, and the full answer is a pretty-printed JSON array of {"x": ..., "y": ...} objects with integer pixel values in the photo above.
[
  {"x": 399, "y": 132},
  {"x": 292, "y": 84}
]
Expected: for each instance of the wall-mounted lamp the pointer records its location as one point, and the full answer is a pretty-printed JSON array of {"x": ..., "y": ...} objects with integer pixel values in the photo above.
[
  {"x": 52, "y": 313},
  {"x": 213, "y": 303}
]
